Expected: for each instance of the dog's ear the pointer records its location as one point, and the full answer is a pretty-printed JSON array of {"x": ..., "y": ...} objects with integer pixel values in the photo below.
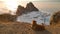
[{"x": 34, "y": 24}]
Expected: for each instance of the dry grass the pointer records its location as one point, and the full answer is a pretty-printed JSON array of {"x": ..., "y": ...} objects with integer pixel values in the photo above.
[
  {"x": 24, "y": 28},
  {"x": 15, "y": 28}
]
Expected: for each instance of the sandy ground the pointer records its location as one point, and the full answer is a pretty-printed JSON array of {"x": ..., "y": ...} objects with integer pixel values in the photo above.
[{"x": 24, "y": 28}]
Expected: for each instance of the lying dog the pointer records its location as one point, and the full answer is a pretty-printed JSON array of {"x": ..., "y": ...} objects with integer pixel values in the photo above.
[{"x": 37, "y": 27}]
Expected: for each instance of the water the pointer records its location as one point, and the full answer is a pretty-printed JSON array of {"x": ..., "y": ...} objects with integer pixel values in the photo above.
[{"x": 37, "y": 16}]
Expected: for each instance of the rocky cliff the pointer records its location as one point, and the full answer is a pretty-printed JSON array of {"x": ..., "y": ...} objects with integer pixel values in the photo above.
[{"x": 29, "y": 8}]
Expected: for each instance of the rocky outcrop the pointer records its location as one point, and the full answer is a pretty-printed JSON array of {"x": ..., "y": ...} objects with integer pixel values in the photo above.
[
  {"x": 20, "y": 10},
  {"x": 29, "y": 8},
  {"x": 8, "y": 17},
  {"x": 55, "y": 18}
]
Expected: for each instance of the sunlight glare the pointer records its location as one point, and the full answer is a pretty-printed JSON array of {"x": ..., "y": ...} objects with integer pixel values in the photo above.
[{"x": 11, "y": 4}]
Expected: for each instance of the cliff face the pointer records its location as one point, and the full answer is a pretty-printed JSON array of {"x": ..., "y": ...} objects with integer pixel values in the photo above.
[{"x": 29, "y": 8}]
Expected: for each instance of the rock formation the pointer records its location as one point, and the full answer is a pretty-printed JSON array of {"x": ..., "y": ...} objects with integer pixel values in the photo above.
[
  {"x": 55, "y": 18},
  {"x": 29, "y": 8},
  {"x": 20, "y": 10}
]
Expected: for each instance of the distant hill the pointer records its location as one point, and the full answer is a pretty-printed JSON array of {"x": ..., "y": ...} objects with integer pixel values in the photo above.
[{"x": 7, "y": 17}]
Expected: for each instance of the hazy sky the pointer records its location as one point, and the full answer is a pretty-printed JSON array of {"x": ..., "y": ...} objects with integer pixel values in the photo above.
[
  {"x": 40, "y": 4},
  {"x": 37, "y": 0}
]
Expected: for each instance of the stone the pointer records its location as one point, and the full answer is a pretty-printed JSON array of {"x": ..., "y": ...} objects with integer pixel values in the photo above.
[{"x": 29, "y": 8}]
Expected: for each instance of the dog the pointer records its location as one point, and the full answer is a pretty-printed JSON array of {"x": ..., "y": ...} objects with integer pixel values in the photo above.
[{"x": 37, "y": 27}]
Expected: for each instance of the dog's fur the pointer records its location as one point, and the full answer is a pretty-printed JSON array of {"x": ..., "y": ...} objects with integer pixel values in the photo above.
[{"x": 37, "y": 27}]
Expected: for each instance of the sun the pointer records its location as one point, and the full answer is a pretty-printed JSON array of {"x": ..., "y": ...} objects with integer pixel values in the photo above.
[{"x": 11, "y": 4}]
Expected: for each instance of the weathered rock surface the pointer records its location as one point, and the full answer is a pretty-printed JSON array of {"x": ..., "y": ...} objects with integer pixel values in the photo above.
[{"x": 29, "y": 8}]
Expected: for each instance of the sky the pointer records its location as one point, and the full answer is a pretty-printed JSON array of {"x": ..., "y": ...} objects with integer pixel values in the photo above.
[
  {"x": 40, "y": 4},
  {"x": 37, "y": 0}
]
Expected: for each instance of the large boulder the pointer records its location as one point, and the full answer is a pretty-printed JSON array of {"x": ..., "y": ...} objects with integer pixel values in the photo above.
[{"x": 55, "y": 18}]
